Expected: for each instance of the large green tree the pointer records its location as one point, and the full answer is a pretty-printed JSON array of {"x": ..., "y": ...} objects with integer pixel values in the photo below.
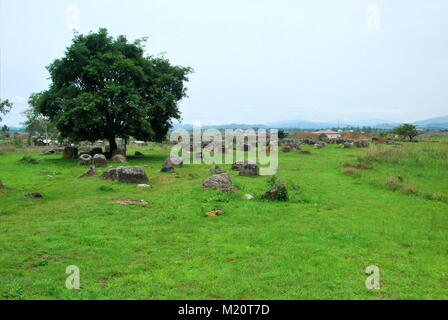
[
  {"x": 105, "y": 87},
  {"x": 406, "y": 130}
]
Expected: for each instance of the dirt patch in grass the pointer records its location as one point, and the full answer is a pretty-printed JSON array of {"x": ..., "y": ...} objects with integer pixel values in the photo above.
[
  {"x": 130, "y": 202},
  {"x": 352, "y": 172},
  {"x": 357, "y": 166}
]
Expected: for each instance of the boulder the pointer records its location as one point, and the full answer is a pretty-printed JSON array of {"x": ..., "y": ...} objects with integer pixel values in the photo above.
[
  {"x": 138, "y": 154},
  {"x": 216, "y": 170},
  {"x": 119, "y": 158},
  {"x": 239, "y": 164},
  {"x": 219, "y": 181},
  {"x": 48, "y": 152},
  {"x": 250, "y": 169},
  {"x": 70, "y": 153},
  {"x": 120, "y": 150},
  {"x": 286, "y": 149},
  {"x": 110, "y": 174},
  {"x": 278, "y": 192},
  {"x": 292, "y": 144},
  {"x": 347, "y": 145},
  {"x": 99, "y": 160},
  {"x": 126, "y": 175},
  {"x": 172, "y": 162},
  {"x": 361, "y": 143},
  {"x": 89, "y": 173},
  {"x": 131, "y": 175},
  {"x": 85, "y": 160}
]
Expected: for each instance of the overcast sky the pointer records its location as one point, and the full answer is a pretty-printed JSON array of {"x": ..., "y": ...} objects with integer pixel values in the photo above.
[{"x": 255, "y": 61}]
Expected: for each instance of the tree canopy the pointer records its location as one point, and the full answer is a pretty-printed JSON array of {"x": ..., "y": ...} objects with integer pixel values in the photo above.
[
  {"x": 406, "y": 130},
  {"x": 5, "y": 107},
  {"x": 36, "y": 123},
  {"x": 104, "y": 87}
]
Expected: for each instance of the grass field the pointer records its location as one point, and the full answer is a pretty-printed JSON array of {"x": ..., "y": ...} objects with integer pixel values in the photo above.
[{"x": 392, "y": 213}]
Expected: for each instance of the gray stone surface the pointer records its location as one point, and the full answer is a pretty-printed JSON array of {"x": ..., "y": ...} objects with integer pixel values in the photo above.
[
  {"x": 85, "y": 160},
  {"x": 99, "y": 160}
]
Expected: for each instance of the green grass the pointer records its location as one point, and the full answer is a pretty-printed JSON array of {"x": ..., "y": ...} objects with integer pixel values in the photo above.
[{"x": 315, "y": 246}]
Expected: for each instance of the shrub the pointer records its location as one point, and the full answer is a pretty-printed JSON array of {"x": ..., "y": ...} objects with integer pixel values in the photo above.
[
  {"x": 28, "y": 159},
  {"x": 105, "y": 189},
  {"x": 410, "y": 189},
  {"x": 393, "y": 183}
]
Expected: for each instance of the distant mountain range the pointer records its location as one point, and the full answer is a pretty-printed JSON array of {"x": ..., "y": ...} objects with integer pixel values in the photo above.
[
  {"x": 440, "y": 123},
  {"x": 433, "y": 123}
]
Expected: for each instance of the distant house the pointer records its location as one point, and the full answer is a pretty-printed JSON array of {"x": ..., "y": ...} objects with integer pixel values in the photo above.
[{"x": 329, "y": 133}]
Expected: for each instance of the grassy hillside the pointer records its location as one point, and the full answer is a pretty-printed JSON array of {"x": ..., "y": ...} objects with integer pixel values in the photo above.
[{"x": 316, "y": 246}]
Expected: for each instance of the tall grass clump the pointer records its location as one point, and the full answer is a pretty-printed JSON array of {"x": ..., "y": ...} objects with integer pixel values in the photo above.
[{"x": 421, "y": 156}]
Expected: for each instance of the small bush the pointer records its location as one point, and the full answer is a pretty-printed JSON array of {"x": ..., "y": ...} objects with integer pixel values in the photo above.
[
  {"x": 410, "y": 189},
  {"x": 105, "y": 189},
  {"x": 393, "y": 183},
  {"x": 29, "y": 159}
]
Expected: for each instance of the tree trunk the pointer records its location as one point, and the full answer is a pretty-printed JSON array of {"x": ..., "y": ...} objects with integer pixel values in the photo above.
[{"x": 112, "y": 146}]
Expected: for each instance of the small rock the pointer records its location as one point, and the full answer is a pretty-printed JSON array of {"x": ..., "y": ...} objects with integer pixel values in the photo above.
[
  {"x": 48, "y": 152},
  {"x": 215, "y": 212},
  {"x": 128, "y": 202},
  {"x": 286, "y": 149},
  {"x": 34, "y": 195},
  {"x": 172, "y": 162},
  {"x": 239, "y": 164},
  {"x": 89, "y": 173},
  {"x": 138, "y": 154},
  {"x": 248, "y": 197},
  {"x": 277, "y": 192},
  {"x": 143, "y": 186},
  {"x": 295, "y": 187},
  {"x": 216, "y": 170},
  {"x": 119, "y": 158}
]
